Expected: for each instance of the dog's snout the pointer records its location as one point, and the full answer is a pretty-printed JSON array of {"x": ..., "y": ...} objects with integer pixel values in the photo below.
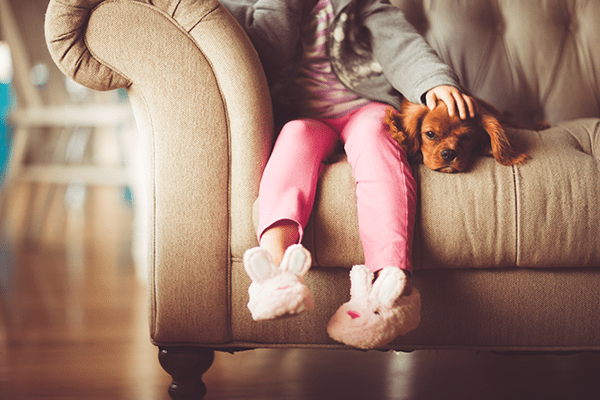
[{"x": 449, "y": 155}]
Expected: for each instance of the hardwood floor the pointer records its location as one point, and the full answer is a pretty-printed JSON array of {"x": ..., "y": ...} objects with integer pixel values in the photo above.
[
  {"x": 448, "y": 375},
  {"x": 74, "y": 315},
  {"x": 73, "y": 325}
]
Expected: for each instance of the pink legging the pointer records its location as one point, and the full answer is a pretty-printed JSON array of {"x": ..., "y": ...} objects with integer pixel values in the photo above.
[{"x": 385, "y": 187}]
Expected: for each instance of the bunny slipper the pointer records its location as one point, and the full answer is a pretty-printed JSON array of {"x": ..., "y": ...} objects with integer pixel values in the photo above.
[
  {"x": 278, "y": 291},
  {"x": 377, "y": 312}
]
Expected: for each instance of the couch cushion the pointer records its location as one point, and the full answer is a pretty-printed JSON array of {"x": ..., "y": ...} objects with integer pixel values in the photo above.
[
  {"x": 545, "y": 213},
  {"x": 559, "y": 197},
  {"x": 517, "y": 309}
]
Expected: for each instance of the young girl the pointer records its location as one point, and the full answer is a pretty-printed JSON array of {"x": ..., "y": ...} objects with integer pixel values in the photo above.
[{"x": 333, "y": 67}]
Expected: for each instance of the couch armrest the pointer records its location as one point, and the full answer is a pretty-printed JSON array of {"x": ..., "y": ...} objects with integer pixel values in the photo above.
[{"x": 203, "y": 110}]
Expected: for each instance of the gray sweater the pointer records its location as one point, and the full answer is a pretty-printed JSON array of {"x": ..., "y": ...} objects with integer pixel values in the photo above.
[{"x": 373, "y": 49}]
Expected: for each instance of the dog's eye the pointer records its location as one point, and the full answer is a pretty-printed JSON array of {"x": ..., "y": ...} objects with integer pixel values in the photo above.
[{"x": 430, "y": 135}]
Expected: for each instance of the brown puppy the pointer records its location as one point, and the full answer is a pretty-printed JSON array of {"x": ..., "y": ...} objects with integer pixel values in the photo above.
[{"x": 444, "y": 143}]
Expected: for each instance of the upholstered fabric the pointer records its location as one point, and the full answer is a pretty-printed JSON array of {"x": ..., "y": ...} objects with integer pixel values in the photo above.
[
  {"x": 204, "y": 114},
  {"x": 491, "y": 216},
  {"x": 492, "y": 309},
  {"x": 538, "y": 59}
]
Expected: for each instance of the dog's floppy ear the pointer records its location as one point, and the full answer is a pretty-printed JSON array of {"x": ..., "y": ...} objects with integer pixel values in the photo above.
[
  {"x": 405, "y": 128},
  {"x": 396, "y": 130},
  {"x": 412, "y": 117},
  {"x": 498, "y": 144}
]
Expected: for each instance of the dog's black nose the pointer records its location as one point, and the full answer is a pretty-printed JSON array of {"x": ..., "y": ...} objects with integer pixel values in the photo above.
[{"x": 448, "y": 154}]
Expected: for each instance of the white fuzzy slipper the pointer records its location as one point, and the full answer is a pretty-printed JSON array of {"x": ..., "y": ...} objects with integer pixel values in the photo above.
[
  {"x": 377, "y": 312},
  {"x": 278, "y": 291}
]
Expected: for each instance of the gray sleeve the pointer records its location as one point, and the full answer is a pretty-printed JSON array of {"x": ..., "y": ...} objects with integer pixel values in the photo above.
[{"x": 409, "y": 63}]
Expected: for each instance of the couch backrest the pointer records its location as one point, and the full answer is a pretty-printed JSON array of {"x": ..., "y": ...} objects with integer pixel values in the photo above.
[{"x": 538, "y": 59}]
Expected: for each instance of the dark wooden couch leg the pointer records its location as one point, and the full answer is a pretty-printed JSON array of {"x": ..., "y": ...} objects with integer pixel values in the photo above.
[{"x": 186, "y": 365}]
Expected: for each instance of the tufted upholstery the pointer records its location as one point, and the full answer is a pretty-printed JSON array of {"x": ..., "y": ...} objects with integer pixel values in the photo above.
[
  {"x": 543, "y": 50},
  {"x": 203, "y": 110}
]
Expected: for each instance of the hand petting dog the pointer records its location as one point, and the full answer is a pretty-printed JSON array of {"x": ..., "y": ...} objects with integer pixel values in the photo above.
[{"x": 454, "y": 100}]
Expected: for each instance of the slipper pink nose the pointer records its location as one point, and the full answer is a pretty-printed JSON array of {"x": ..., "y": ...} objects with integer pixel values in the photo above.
[{"x": 353, "y": 314}]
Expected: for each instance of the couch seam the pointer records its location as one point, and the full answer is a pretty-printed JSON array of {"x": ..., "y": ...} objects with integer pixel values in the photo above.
[
  {"x": 228, "y": 256},
  {"x": 77, "y": 6},
  {"x": 496, "y": 40},
  {"x": 545, "y": 95},
  {"x": 229, "y": 219},
  {"x": 586, "y": 60},
  {"x": 517, "y": 216},
  {"x": 153, "y": 227},
  {"x": 202, "y": 19},
  {"x": 174, "y": 11}
]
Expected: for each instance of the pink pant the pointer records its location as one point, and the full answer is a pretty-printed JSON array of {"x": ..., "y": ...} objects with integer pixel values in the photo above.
[{"x": 385, "y": 187}]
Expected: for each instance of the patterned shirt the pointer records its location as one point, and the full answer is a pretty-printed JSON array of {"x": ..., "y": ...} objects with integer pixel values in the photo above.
[{"x": 319, "y": 93}]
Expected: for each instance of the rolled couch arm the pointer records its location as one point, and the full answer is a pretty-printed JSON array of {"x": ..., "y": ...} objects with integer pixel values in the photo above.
[{"x": 203, "y": 110}]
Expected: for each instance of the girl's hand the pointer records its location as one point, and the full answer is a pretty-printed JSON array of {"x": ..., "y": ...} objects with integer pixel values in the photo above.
[{"x": 454, "y": 99}]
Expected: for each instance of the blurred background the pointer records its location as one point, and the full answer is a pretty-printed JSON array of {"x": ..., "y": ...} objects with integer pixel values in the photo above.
[{"x": 73, "y": 311}]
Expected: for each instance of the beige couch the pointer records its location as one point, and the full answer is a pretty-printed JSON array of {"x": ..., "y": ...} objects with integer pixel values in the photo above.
[{"x": 504, "y": 256}]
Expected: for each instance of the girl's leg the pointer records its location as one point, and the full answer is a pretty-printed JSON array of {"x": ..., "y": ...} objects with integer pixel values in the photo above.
[
  {"x": 287, "y": 194},
  {"x": 386, "y": 193},
  {"x": 278, "y": 237},
  {"x": 288, "y": 185},
  {"x": 386, "y": 189}
]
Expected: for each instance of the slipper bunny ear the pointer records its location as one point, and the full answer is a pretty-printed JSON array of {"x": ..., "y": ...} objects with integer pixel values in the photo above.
[
  {"x": 296, "y": 260},
  {"x": 361, "y": 282},
  {"x": 389, "y": 286},
  {"x": 259, "y": 265}
]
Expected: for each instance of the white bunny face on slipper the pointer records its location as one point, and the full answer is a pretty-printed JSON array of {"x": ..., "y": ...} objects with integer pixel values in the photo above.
[
  {"x": 278, "y": 291},
  {"x": 377, "y": 312}
]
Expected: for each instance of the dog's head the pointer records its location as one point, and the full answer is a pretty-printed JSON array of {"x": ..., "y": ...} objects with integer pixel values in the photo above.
[{"x": 444, "y": 143}]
